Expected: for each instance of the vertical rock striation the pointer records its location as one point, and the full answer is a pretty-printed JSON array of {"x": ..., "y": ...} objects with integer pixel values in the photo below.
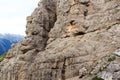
[{"x": 66, "y": 40}]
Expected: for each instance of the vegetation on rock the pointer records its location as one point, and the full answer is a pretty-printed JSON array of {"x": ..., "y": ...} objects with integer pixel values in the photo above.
[
  {"x": 97, "y": 78},
  {"x": 2, "y": 57},
  {"x": 111, "y": 58}
]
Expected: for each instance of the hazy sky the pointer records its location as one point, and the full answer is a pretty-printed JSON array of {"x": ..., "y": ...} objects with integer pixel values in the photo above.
[{"x": 13, "y": 15}]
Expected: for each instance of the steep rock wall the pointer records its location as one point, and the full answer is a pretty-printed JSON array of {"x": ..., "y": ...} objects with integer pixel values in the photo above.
[{"x": 65, "y": 40}]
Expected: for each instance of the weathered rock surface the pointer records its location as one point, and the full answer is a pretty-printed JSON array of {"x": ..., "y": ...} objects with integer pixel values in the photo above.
[{"x": 67, "y": 40}]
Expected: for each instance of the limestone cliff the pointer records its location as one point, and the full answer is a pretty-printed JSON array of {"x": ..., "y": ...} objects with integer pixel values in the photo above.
[{"x": 67, "y": 40}]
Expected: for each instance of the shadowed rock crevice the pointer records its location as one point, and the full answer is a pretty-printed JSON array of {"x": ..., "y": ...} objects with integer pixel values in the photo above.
[
  {"x": 38, "y": 26},
  {"x": 63, "y": 70}
]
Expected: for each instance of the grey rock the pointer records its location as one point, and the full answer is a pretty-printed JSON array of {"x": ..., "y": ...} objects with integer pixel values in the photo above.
[
  {"x": 67, "y": 40},
  {"x": 84, "y": 1},
  {"x": 117, "y": 53},
  {"x": 106, "y": 75}
]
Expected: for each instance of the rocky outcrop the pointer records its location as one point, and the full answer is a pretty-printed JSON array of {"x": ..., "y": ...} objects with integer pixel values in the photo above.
[{"x": 66, "y": 40}]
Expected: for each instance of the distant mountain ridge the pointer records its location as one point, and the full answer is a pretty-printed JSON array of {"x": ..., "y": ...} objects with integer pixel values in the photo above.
[{"x": 6, "y": 40}]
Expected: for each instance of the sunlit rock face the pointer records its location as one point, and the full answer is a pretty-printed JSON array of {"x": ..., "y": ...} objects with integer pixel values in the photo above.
[{"x": 67, "y": 40}]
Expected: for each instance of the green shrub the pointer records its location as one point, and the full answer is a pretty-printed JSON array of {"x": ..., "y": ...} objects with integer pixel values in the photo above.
[
  {"x": 111, "y": 58},
  {"x": 97, "y": 78},
  {"x": 2, "y": 57}
]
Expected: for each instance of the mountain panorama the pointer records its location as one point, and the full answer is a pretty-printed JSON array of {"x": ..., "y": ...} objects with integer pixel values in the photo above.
[
  {"x": 7, "y": 40},
  {"x": 68, "y": 40}
]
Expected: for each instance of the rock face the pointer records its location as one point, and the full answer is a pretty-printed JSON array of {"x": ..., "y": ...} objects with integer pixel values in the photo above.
[{"x": 67, "y": 40}]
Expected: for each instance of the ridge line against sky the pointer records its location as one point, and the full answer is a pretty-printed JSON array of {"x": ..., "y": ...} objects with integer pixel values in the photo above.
[{"x": 13, "y": 15}]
